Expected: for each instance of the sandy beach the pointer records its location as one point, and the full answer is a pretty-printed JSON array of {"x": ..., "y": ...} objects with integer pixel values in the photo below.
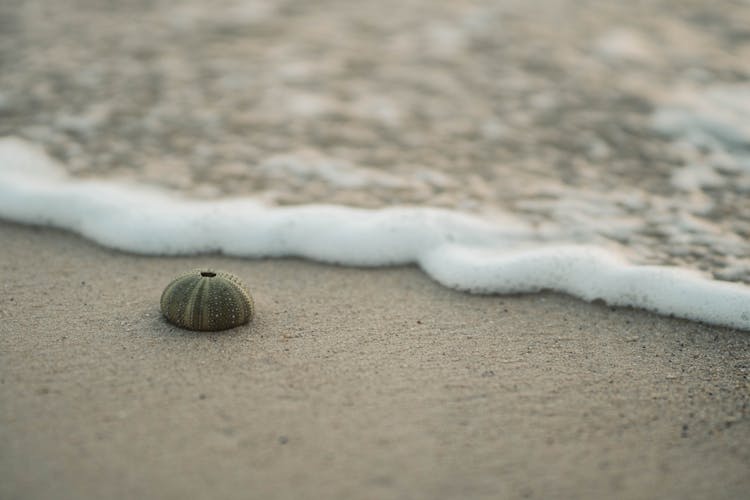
[
  {"x": 351, "y": 383},
  {"x": 614, "y": 124}
]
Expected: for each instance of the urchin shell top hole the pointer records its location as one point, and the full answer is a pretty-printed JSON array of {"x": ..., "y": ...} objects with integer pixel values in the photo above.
[{"x": 208, "y": 274}]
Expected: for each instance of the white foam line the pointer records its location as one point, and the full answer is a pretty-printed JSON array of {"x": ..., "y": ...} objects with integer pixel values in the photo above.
[
  {"x": 456, "y": 250},
  {"x": 591, "y": 273}
]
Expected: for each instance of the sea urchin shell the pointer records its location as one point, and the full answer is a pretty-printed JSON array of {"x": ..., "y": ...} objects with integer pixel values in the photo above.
[{"x": 207, "y": 300}]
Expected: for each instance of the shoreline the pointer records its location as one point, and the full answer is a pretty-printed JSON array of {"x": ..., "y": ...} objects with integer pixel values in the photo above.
[
  {"x": 351, "y": 383},
  {"x": 458, "y": 250}
]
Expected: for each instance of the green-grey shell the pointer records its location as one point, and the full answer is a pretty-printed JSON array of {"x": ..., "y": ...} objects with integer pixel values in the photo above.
[{"x": 207, "y": 300}]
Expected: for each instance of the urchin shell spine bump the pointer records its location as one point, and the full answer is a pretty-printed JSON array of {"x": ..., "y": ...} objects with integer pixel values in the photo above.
[{"x": 207, "y": 300}]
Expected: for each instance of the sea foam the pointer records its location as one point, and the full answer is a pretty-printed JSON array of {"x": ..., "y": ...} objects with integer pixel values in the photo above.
[{"x": 460, "y": 251}]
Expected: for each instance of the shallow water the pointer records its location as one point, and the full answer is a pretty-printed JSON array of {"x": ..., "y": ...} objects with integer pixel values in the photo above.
[{"x": 600, "y": 123}]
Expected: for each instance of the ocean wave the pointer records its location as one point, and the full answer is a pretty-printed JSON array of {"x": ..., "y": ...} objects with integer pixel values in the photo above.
[{"x": 479, "y": 255}]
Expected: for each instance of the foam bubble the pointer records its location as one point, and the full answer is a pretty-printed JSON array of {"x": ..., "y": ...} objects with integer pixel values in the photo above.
[{"x": 460, "y": 251}]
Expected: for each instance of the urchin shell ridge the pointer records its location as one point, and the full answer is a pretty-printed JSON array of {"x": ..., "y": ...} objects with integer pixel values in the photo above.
[{"x": 207, "y": 300}]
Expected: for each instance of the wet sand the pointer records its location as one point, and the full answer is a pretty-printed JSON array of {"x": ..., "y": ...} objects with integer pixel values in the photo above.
[{"x": 351, "y": 383}]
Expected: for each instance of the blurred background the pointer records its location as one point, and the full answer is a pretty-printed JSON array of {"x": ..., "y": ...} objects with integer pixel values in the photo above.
[{"x": 623, "y": 123}]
